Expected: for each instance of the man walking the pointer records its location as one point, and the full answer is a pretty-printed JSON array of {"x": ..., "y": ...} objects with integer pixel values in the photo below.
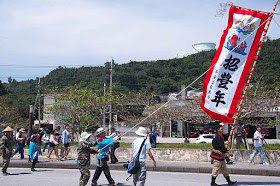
[
  {"x": 20, "y": 142},
  {"x": 102, "y": 157},
  {"x": 258, "y": 144},
  {"x": 140, "y": 177},
  {"x": 114, "y": 146},
  {"x": 66, "y": 141},
  {"x": 218, "y": 154},
  {"x": 6, "y": 146}
]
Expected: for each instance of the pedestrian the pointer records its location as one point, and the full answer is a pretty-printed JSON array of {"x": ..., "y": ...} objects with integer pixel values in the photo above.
[
  {"x": 102, "y": 157},
  {"x": 34, "y": 150},
  {"x": 6, "y": 146},
  {"x": 20, "y": 143},
  {"x": 46, "y": 140},
  {"x": 140, "y": 177},
  {"x": 84, "y": 150},
  {"x": 114, "y": 146},
  {"x": 218, "y": 154},
  {"x": 66, "y": 141},
  {"x": 54, "y": 144},
  {"x": 60, "y": 140},
  {"x": 258, "y": 144},
  {"x": 153, "y": 138}
]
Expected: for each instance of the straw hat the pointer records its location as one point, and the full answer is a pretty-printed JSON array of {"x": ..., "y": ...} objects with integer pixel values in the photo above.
[
  {"x": 85, "y": 135},
  {"x": 141, "y": 131},
  {"x": 8, "y": 129},
  {"x": 99, "y": 131}
]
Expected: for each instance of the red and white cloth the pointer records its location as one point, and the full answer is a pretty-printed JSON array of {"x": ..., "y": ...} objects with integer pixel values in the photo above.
[{"x": 224, "y": 82}]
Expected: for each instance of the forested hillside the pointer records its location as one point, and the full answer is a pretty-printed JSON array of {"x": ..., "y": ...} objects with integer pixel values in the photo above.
[{"x": 161, "y": 77}]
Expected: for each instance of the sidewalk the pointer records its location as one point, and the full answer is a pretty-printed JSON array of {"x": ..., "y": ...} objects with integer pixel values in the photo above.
[{"x": 163, "y": 166}]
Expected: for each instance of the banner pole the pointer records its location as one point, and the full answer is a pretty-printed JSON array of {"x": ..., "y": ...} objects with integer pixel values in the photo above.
[{"x": 236, "y": 118}]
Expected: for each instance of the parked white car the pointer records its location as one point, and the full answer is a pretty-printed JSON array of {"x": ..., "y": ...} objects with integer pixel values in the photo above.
[{"x": 205, "y": 138}]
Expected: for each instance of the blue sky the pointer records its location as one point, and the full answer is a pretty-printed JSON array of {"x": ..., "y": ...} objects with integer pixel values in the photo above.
[{"x": 50, "y": 33}]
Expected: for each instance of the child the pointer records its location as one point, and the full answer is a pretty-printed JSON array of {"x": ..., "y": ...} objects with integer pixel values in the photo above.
[
  {"x": 84, "y": 150},
  {"x": 34, "y": 150},
  {"x": 102, "y": 158}
]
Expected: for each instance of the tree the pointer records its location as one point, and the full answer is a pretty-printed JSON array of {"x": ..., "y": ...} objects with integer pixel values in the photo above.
[
  {"x": 82, "y": 108},
  {"x": 2, "y": 89}
]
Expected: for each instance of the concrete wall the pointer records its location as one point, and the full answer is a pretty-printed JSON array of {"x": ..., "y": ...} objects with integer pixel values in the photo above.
[{"x": 193, "y": 155}]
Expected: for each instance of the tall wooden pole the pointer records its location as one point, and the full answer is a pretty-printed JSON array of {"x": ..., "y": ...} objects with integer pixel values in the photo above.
[
  {"x": 236, "y": 118},
  {"x": 30, "y": 121},
  {"x": 110, "y": 108},
  {"x": 104, "y": 110}
]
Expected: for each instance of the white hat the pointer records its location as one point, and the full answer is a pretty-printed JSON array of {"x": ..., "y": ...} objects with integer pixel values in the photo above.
[
  {"x": 141, "y": 131},
  {"x": 85, "y": 135},
  {"x": 99, "y": 131}
]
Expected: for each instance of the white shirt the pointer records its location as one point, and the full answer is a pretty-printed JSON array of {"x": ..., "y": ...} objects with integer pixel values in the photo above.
[{"x": 258, "y": 143}]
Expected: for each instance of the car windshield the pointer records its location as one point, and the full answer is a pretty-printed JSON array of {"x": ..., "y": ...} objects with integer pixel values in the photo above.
[{"x": 209, "y": 136}]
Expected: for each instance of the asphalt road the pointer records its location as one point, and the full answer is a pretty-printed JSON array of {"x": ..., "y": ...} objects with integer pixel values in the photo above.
[{"x": 69, "y": 177}]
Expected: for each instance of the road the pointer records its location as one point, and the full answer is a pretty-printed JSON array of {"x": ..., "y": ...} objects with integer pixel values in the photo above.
[{"x": 69, "y": 177}]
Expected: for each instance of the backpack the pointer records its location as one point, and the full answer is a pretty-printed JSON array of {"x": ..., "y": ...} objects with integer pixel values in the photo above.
[{"x": 133, "y": 165}]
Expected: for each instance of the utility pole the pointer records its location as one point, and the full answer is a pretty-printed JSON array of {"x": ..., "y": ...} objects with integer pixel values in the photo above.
[
  {"x": 39, "y": 100},
  {"x": 30, "y": 121},
  {"x": 111, "y": 83},
  {"x": 104, "y": 109}
]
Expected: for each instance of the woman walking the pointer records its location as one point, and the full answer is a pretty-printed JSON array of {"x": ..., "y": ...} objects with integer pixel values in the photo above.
[
  {"x": 34, "y": 150},
  {"x": 54, "y": 145}
]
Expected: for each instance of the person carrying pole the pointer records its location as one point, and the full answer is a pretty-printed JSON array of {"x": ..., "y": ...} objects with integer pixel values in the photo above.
[{"x": 218, "y": 154}]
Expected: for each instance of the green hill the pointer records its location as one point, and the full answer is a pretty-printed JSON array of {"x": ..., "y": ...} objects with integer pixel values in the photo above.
[{"x": 161, "y": 77}]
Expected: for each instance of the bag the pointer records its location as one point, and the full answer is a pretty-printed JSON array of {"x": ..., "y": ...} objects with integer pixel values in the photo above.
[{"x": 134, "y": 165}]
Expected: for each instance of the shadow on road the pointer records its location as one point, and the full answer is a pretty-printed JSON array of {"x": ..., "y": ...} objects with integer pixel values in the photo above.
[
  {"x": 119, "y": 184},
  {"x": 14, "y": 174},
  {"x": 255, "y": 183},
  {"x": 44, "y": 170}
]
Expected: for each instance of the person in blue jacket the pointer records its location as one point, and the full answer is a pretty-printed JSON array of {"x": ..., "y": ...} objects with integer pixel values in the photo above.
[
  {"x": 103, "y": 151},
  {"x": 34, "y": 150}
]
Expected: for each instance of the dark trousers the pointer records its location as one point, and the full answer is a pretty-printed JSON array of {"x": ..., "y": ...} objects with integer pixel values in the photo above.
[
  {"x": 114, "y": 159},
  {"x": 20, "y": 150},
  {"x": 6, "y": 162},
  {"x": 102, "y": 166},
  {"x": 34, "y": 163}
]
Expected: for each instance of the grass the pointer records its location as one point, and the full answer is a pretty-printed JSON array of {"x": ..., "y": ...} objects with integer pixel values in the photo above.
[{"x": 197, "y": 146}]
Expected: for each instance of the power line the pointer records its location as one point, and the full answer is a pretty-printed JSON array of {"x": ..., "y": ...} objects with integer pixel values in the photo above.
[{"x": 45, "y": 66}]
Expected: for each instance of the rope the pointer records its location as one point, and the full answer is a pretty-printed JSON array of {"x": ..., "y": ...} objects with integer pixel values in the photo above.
[{"x": 185, "y": 87}]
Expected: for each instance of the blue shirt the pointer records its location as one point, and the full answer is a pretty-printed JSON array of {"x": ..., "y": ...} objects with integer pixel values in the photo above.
[
  {"x": 33, "y": 151},
  {"x": 136, "y": 144},
  {"x": 101, "y": 144}
]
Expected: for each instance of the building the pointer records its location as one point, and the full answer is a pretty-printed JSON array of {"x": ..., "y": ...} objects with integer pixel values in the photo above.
[{"x": 50, "y": 120}]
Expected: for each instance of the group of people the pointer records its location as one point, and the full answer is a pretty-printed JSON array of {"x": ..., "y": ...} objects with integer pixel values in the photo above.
[
  {"x": 53, "y": 139},
  {"x": 219, "y": 153},
  {"x": 103, "y": 142},
  {"x": 34, "y": 143}
]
